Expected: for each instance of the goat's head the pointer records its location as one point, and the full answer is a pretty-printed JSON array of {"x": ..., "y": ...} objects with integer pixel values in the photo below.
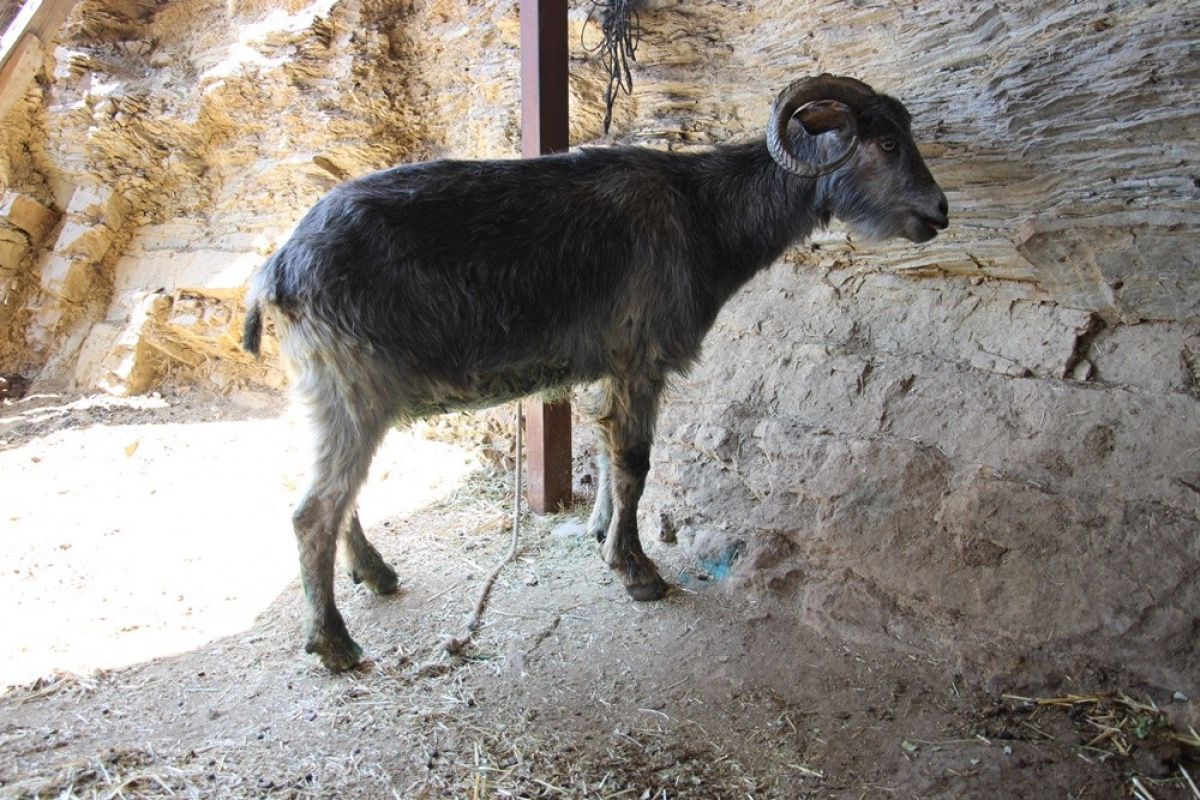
[{"x": 858, "y": 145}]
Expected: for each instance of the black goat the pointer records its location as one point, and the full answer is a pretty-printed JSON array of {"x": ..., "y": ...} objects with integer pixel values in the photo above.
[{"x": 463, "y": 284}]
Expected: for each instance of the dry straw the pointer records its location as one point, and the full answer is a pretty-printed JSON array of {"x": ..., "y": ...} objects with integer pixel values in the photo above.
[{"x": 1120, "y": 723}]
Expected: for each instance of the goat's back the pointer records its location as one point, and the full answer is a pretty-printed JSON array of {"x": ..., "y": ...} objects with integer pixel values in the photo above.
[{"x": 479, "y": 271}]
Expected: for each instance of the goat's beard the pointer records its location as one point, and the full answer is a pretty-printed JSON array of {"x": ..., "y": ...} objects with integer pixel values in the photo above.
[{"x": 872, "y": 231}]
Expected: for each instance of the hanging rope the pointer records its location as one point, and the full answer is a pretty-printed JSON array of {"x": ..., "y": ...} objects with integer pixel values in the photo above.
[{"x": 621, "y": 30}]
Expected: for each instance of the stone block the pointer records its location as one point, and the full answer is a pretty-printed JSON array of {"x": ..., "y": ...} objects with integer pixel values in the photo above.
[
  {"x": 1126, "y": 266},
  {"x": 43, "y": 324},
  {"x": 1153, "y": 356},
  {"x": 13, "y": 246},
  {"x": 85, "y": 241},
  {"x": 218, "y": 274},
  {"x": 24, "y": 212},
  {"x": 128, "y": 372},
  {"x": 7, "y": 300},
  {"x": 99, "y": 204},
  {"x": 68, "y": 278},
  {"x": 132, "y": 363},
  {"x": 96, "y": 349}
]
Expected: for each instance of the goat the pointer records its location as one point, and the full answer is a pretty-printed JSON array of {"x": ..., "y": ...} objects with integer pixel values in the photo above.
[{"x": 451, "y": 285}]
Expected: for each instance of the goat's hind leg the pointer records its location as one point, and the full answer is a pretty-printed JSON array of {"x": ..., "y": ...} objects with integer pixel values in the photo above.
[
  {"x": 345, "y": 443},
  {"x": 317, "y": 521},
  {"x": 362, "y": 561}
]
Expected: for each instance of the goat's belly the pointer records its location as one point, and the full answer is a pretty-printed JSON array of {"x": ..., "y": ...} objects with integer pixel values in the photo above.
[{"x": 487, "y": 389}]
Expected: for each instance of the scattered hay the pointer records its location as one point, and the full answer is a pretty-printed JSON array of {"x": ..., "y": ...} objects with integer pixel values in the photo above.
[
  {"x": 143, "y": 772},
  {"x": 55, "y": 683},
  {"x": 1112, "y": 724},
  {"x": 111, "y": 775}
]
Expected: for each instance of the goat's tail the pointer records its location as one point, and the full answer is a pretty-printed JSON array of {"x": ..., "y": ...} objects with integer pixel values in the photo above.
[
  {"x": 252, "y": 328},
  {"x": 261, "y": 293},
  {"x": 258, "y": 295}
]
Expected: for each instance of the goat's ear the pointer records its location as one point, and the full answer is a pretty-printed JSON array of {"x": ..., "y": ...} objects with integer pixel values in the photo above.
[{"x": 823, "y": 116}]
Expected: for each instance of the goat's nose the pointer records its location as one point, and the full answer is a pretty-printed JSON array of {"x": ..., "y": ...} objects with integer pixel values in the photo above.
[{"x": 942, "y": 219}]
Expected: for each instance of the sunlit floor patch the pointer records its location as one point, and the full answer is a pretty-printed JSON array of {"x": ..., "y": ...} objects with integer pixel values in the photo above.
[{"x": 126, "y": 542}]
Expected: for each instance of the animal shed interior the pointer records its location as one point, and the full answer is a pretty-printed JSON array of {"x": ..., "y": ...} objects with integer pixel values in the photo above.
[{"x": 979, "y": 452}]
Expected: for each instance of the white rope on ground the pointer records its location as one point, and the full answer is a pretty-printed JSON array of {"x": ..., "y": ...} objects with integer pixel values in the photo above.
[{"x": 456, "y": 644}]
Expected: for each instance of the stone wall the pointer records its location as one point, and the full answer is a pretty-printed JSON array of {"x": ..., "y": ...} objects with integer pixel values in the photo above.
[{"x": 992, "y": 437}]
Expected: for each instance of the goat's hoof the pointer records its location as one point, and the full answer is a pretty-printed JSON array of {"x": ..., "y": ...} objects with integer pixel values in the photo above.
[
  {"x": 337, "y": 656},
  {"x": 655, "y": 589},
  {"x": 381, "y": 579}
]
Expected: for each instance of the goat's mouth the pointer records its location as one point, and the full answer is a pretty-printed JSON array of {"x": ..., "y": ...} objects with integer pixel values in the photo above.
[{"x": 925, "y": 226}]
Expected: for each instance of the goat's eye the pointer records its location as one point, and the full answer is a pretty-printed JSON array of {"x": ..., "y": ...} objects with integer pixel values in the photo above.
[{"x": 887, "y": 145}]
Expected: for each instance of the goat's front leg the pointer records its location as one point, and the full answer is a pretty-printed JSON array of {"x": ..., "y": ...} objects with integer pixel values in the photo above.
[
  {"x": 602, "y": 512},
  {"x": 628, "y": 426}
]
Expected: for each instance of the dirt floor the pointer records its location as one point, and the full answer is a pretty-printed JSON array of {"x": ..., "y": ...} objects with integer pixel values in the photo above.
[{"x": 153, "y": 648}]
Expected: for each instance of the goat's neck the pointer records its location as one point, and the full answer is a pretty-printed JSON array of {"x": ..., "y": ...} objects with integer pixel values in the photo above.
[{"x": 758, "y": 210}]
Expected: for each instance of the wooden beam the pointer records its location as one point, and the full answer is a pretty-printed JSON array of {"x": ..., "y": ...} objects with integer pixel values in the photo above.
[
  {"x": 548, "y": 456},
  {"x": 23, "y": 44},
  {"x": 23, "y": 63},
  {"x": 545, "y": 128},
  {"x": 42, "y": 18}
]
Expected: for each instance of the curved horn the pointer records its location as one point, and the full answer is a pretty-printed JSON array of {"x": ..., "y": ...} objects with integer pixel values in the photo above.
[{"x": 798, "y": 95}]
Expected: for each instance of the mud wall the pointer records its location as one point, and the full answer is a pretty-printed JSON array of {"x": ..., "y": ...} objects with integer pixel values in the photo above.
[{"x": 993, "y": 437}]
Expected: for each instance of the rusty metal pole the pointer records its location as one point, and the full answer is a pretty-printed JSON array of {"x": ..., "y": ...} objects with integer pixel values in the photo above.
[{"x": 545, "y": 129}]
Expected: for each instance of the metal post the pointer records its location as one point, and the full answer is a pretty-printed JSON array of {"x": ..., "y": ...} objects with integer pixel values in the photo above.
[{"x": 545, "y": 129}]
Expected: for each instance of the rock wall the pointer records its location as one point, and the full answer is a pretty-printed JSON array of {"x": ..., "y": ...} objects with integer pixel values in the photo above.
[
  {"x": 993, "y": 438},
  {"x": 990, "y": 438},
  {"x": 181, "y": 141}
]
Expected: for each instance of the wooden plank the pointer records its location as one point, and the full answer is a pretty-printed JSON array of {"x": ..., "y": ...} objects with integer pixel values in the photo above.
[
  {"x": 22, "y": 46},
  {"x": 23, "y": 63},
  {"x": 17, "y": 28},
  {"x": 42, "y": 18},
  {"x": 545, "y": 129}
]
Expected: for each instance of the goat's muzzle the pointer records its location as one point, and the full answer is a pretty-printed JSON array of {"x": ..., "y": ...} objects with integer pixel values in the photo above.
[
  {"x": 926, "y": 222},
  {"x": 927, "y": 227}
]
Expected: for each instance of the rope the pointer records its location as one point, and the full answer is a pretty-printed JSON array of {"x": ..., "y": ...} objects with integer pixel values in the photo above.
[
  {"x": 620, "y": 29},
  {"x": 456, "y": 644}
]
